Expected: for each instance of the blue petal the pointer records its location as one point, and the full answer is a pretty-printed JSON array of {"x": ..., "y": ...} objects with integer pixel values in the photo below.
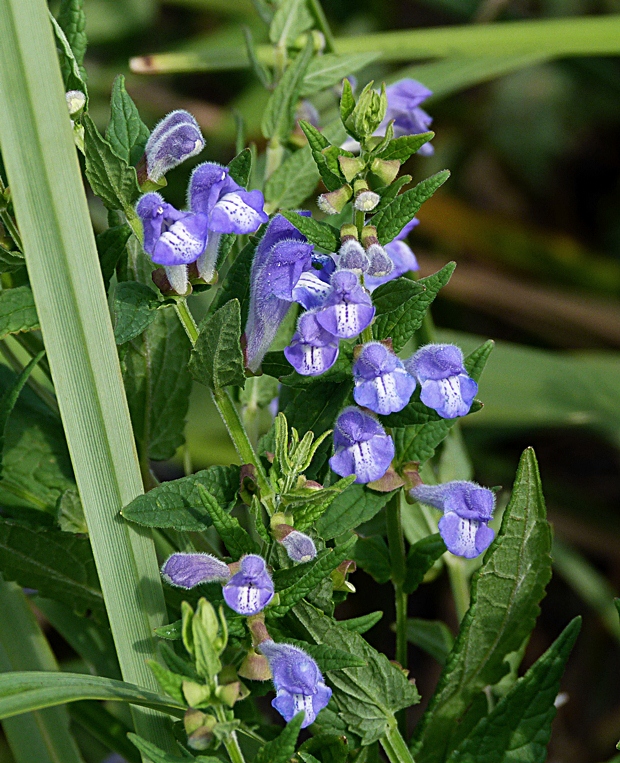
[
  {"x": 238, "y": 212},
  {"x": 346, "y": 320},
  {"x": 387, "y": 393},
  {"x": 444, "y": 396},
  {"x": 310, "y": 290},
  {"x": 183, "y": 242},
  {"x": 309, "y": 360},
  {"x": 465, "y": 537}
]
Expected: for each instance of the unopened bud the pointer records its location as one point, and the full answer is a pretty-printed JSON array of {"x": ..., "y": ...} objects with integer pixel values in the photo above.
[
  {"x": 196, "y": 694},
  {"x": 335, "y": 201},
  {"x": 379, "y": 261},
  {"x": 351, "y": 256},
  {"x": 299, "y": 546},
  {"x": 229, "y": 693},
  {"x": 386, "y": 170},
  {"x": 172, "y": 280},
  {"x": 76, "y": 100},
  {"x": 366, "y": 201},
  {"x": 174, "y": 139},
  {"x": 255, "y": 667},
  {"x": 348, "y": 230},
  {"x": 351, "y": 166}
]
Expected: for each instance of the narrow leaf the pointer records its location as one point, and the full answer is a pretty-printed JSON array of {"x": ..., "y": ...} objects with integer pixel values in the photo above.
[
  {"x": 217, "y": 360},
  {"x": 405, "y": 146},
  {"x": 72, "y": 72},
  {"x": 72, "y": 21},
  {"x": 110, "y": 246},
  {"x": 17, "y": 311},
  {"x": 363, "y": 623},
  {"x": 331, "y": 68},
  {"x": 433, "y": 636},
  {"x": 356, "y": 505}
]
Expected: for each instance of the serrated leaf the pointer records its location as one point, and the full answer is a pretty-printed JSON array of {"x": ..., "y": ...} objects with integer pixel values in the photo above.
[
  {"x": 127, "y": 134},
  {"x": 135, "y": 308},
  {"x": 17, "y": 311},
  {"x": 58, "y": 565},
  {"x": 72, "y": 21},
  {"x": 366, "y": 697},
  {"x": 110, "y": 247},
  {"x": 433, "y": 636},
  {"x": 389, "y": 192},
  {"x": 240, "y": 167},
  {"x": 279, "y": 114},
  {"x": 171, "y": 683},
  {"x": 519, "y": 726},
  {"x": 282, "y": 748},
  {"x": 505, "y": 596},
  {"x": 396, "y": 215},
  {"x": 327, "y": 657},
  {"x": 236, "y": 285},
  {"x": 110, "y": 177},
  {"x": 331, "y": 68},
  {"x": 290, "y": 20},
  {"x": 237, "y": 540},
  {"x": 158, "y": 385},
  {"x": 400, "y": 309},
  {"x": 421, "y": 557},
  {"x": 356, "y": 505},
  {"x": 373, "y": 556},
  {"x": 320, "y": 234},
  {"x": 216, "y": 360},
  {"x": 317, "y": 570},
  {"x": 177, "y": 504},
  {"x": 71, "y": 70},
  {"x": 405, "y": 146},
  {"x": 316, "y": 140},
  {"x": 363, "y": 623}
]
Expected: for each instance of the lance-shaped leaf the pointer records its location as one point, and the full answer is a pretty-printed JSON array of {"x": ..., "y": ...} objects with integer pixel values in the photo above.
[
  {"x": 505, "y": 597},
  {"x": 17, "y": 311},
  {"x": 157, "y": 755},
  {"x": 178, "y": 505},
  {"x": 127, "y": 134},
  {"x": 290, "y": 20},
  {"x": 366, "y": 697},
  {"x": 72, "y": 21},
  {"x": 519, "y": 726},
  {"x": 320, "y": 234},
  {"x": 282, "y": 748},
  {"x": 135, "y": 308},
  {"x": 396, "y": 215},
  {"x": 72, "y": 72},
  {"x": 331, "y": 68},
  {"x": 237, "y": 540},
  {"x": 405, "y": 146},
  {"x": 217, "y": 360},
  {"x": 356, "y": 505},
  {"x": 363, "y": 623}
]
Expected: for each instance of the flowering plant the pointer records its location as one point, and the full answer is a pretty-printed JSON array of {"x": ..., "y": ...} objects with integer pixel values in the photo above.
[{"x": 220, "y": 587}]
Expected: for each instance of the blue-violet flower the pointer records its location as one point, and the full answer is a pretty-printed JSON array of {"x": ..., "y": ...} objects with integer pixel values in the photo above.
[
  {"x": 282, "y": 255},
  {"x": 298, "y": 681},
  {"x": 404, "y": 99},
  {"x": 312, "y": 350},
  {"x": 381, "y": 381},
  {"x": 189, "y": 570},
  {"x": 361, "y": 446},
  {"x": 467, "y": 509},
  {"x": 251, "y": 589},
  {"x": 445, "y": 384},
  {"x": 299, "y": 546},
  {"x": 173, "y": 140},
  {"x": 348, "y": 309}
]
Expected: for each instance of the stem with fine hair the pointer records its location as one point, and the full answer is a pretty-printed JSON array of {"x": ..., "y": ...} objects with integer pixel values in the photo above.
[{"x": 395, "y": 746}]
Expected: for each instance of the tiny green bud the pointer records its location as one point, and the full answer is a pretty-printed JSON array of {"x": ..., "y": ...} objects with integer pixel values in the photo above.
[
  {"x": 334, "y": 202},
  {"x": 368, "y": 113},
  {"x": 351, "y": 166},
  {"x": 196, "y": 695},
  {"x": 229, "y": 693},
  {"x": 386, "y": 170},
  {"x": 255, "y": 667}
]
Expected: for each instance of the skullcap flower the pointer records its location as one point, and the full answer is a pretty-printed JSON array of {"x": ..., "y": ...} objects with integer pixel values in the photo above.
[
  {"x": 174, "y": 139},
  {"x": 381, "y": 381},
  {"x": 189, "y": 570},
  {"x": 251, "y": 589},
  {"x": 348, "y": 309},
  {"x": 361, "y": 446},
  {"x": 312, "y": 350}
]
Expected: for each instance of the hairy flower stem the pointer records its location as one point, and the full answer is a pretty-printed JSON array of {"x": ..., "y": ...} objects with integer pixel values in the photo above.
[
  {"x": 398, "y": 565},
  {"x": 187, "y": 320},
  {"x": 395, "y": 746},
  {"x": 231, "y": 743}
]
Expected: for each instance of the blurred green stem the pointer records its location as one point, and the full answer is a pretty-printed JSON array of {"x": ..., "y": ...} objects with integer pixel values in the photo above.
[
  {"x": 398, "y": 564},
  {"x": 275, "y": 154},
  {"x": 187, "y": 320}
]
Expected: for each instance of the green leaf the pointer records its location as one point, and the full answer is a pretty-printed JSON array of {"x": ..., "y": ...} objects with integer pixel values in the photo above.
[
  {"x": 405, "y": 146},
  {"x": 157, "y": 755},
  {"x": 331, "y": 68},
  {"x": 127, "y": 134},
  {"x": 279, "y": 114},
  {"x": 396, "y": 215},
  {"x": 17, "y": 311},
  {"x": 110, "y": 246},
  {"x": 320, "y": 234},
  {"x": 421, "y": 557},
  {"x": 307, "y": 513},
  {"x": 70, "y": 513},
  {"x": 347, "y": 101},
  {"x": 177, "y": 504},
  {"x": 282, "y": 748},
  {"x": 363, "y": 623},
  {"x": 236, "y": 285},
  {"x": 293, "y": 181},
  {"x": 216, "y": 360},
  {"x": 237, "y": 540},
  {"x": 9, "y": 398},
  {"x": 505, "y": 596},
  {"x": 72, "y": 71},
  {"x": 72, "y": 21},
  {"x": 318, "y": 143},
  {"x": 401, "y": 306},
  {"x": 240, "y": 167},
  {"x": 171, "y": 683},
  {"x": 327, "y": 657},
  {"x": 261, "y": 71},
  {"x": 158, "y": 385},
  {"x": 389, "y": 192},
  {"x": 10, "y": 261},
  {"x": 318, "y": 569},
  {"x": 519, "y": 726},
  {"x": 366, "y": 697},
  {"x": 58, "y": 565},
  {"x": 135, "y": 308},
  {"x": 290, "y": 20},
  {"x": 373, "y": 556},
  {"x": 356, "y": 505},
  {"x": 433, "y": 636},
  {"x": 171, "y": 632},
  {"x": 110, "y": 177}
]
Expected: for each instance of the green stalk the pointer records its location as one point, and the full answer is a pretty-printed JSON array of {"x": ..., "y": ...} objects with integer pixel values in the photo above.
[
  {"x": 231, "y": 743},
  {"x": 42, "y": 736},
  {"x": 395, "y": 747},
  {"x": 459, "y": 583},
  {"x": 59, "y": 246},
  {"x": 187, "y": 320}
]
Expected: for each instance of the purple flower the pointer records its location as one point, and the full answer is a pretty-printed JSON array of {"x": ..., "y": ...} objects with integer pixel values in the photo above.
[
  {"x": 403, "y": 259},
  {"x": 298, "y": 681},
  {"x": 404, "y": 99},
  {"x": 189, "y": 570},
  {"x": 174, "y": 139},
  {"x": 312, "y": 350},
  {"x": 381, "y": 381},
  {"x": 281, "y": 257},
  {"x": 229, "y": 208},
  {"x": 379, "y": 263},
  {"x": 446, "y": 385},
  {"x": 348, "y": 309},
  {"x": 251, "y": 589},
  {"x": 352, "y": 256},
  {"x": 467, "y": 509},
  {"x": 361, "y": 446},
  {"x": 299, "y": 546},
  {"x": 311, "y": 290}
]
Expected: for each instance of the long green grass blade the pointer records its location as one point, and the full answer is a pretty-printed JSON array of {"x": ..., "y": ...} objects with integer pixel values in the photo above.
[
  {"x": 52, "y": 213},
  {"x": 577, "y": 36},
  {"x": 42, "y": 736}
]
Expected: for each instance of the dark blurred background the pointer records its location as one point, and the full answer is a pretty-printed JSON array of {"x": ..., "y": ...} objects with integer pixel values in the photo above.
[{"x": 532, "y": 217}]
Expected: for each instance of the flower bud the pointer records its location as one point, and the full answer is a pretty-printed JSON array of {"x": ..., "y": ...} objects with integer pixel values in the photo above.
[
  {"x": 351, "y": 166},
  {"x": 380, "y": 263},
  {"x": 255, "y": 667},
  {"x": 334, "y": 202},
  {"x": 189, "y": 570},
  {"x": 385, "y": 170},
  {"x": 351, "y": 256},
  {"x": 174, "y": 139},
  {"x": 76, "y": 100},
  {"x": 299, "y": 546},
  {"x": 366, "y": 201}
]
